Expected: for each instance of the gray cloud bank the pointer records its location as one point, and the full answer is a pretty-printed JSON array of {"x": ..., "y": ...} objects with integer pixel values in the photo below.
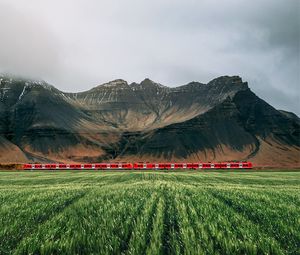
[{"x": 77, "y": 44}]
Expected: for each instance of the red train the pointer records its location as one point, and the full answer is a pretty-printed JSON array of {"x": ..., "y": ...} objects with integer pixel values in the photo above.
[{"x": 140, "y": 166}]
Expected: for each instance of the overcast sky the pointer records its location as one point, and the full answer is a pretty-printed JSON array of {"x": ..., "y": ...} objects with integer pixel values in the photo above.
[{"x": 78, "y": 44}]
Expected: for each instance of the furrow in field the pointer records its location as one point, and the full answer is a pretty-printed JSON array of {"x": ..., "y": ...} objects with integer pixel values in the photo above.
[
  {"x": 171, "y": 241},
  {"x": 155, "y": 245},
  {"x": 97, "y": 224},
  {"x": 201, "y": 236},
  {"x": 142, "y": 227},
  {"x": 187, "y": 233},
  {"x": 24, "y": 217},
  {"x": 221, "y": 230},
  {"x": 277, "y": 221}
]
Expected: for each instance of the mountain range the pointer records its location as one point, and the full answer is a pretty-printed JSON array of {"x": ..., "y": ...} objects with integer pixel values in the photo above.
[{"x": 116, "y": 121}]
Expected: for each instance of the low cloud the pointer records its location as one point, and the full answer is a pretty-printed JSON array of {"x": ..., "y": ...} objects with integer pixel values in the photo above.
[{"x": 78, "y": 44}]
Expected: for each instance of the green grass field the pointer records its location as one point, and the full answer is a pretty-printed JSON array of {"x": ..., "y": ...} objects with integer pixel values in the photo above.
[{"x": 149, "y": 212}]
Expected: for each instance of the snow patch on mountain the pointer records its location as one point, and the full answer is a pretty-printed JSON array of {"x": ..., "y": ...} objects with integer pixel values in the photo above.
[{"x": 22, "y": 93}]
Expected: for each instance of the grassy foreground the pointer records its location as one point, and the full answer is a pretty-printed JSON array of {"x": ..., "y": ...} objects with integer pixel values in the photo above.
[{"x": 149, "y": 213}]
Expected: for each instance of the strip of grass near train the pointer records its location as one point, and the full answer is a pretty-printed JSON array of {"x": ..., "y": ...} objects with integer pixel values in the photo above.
[{"x": 131, "y": 212}]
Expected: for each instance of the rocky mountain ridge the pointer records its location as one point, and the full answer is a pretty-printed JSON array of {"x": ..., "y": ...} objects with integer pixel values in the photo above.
[{"x": 221, "y": 120}]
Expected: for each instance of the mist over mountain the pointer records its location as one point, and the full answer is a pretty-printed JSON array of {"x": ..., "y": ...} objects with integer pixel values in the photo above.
[{"x": 117, "y": 121}]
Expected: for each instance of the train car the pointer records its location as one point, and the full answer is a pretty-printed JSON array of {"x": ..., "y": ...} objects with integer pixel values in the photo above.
[
  {"x": 234, "y": 165},
  {"x": 88, "y": 166},
  {"x": 75, "y": 166},
  {"x": 127, "y": 166},
  {"x": 217, "y": 165},
  {"x": 225, "y": 165},
  {"x": 161, "y": 165},
  {"x": 27, "y": 166},
  {"x": 167, "y": 166},
  {"x": 138, "y": 166},
  {"x": 101, "y": 166},
  {"x": 115, "y": 165},
  {"x": 247, "y": 165},
  {"x": 206, "y": 165},
  {"x": 239, "y": 165},
  {"x": 38, "y": 166},
  {"x": 178, "y": 165},
  {"x": 153, "y": 166}
]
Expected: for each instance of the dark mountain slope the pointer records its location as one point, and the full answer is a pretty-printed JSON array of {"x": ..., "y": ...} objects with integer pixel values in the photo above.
[
  {"x": 239, "y": 125},
  {"x": 9, "y": 152},
  {"x": 36, "y": 117},
  {"x": 218, "y": 127},
  {"x": 261, "y": 119}
]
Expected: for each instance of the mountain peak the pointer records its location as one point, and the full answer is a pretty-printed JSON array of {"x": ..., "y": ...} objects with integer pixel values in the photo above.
[
  {"x": 9, "y": 81},
  {"x": 230, "y": 82},
  {"x": 147, "y": 82},
  {"x": 227, "y": 80},
  {"x": 112, "y": 84},
  {"x": 117, "y": 82}
]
